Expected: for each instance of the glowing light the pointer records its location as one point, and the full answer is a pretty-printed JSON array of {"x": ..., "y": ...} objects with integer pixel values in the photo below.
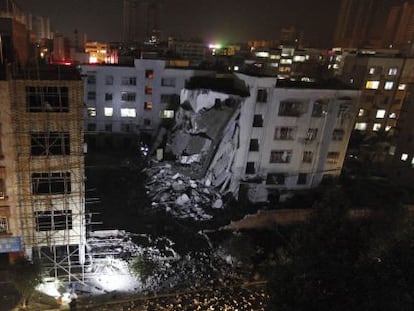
[
  {"x": 93, "y": 59},
  {"x": 215, "y": 46}
]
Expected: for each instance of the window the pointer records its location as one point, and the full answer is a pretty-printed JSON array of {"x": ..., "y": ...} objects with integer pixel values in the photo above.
[
  {"x": 129, "y": 81},
  {"x": 125, "y": 127},
  {"x": 392, "y": 71},
  {"x": 149, "y": 74},
  {"x": 311, "y": 134},
  {"x": 376, "y": 127},
  {"x": 250, "y": 168},
  {"x": 128, "y": 112},
  {"x": 91, "y": 79},
  {"x": 47, "y": 99},
  {"x": 148, "y": 90},
  {"x": 402, "y": 87},
  {"x": 388, "y": 85},
  {"x": 275, "y": 179},
  {"x": 167, "y": 98},
  {"x": 109, "y": 80},
  {"x": 53, "y": 220},
  {"x": 380, "y": 114},
  {"x": 147, "y": 105},
  {"x": 3, "y": 225},
  {"x": 404, "y": 157},
  {"x": 361, "y": 126},
  {"x": 372, "y": 85},
  {"x": 392, "y": 115},
  {"x": 361, "y": 112},
  {"x": 261, "y": 96},
  {"x": 91, "y": 95},
  {"x": 302, "y": 179},
  {"x": 280, "y": 156},
  {"x": 388, "y": 127},
  {"x": 2, "y": 189},
  {"x": 108, "y": 127},
  {"x": 91, "y": 127},
  {"x": 338, "y": 134},
  {"x": 257, "y": 120},
  {"x": 108, "y": 111},
  {"x": 49, "y": 143},
  {"x": 289, "y": 108},
  {"x": 343, "y": 110},
  {"x": 371, "y": 70},
  {"x": 147, "y": 122},
  {"x": 167, "y": 114},
  {"x": 392, "y": 150},
  {"x": 51, "y": 183},
  {"x": 307, "y": 157},
  {"x": 170, "y": 82},
  {"x": 108, "y": 96},
  {"x": 284, "y": 133},
  {"x": 332, "y": 158},
  {"x": 319, "y": 109},
  {"x": 91, "y": 112},
  {"x": 254, "y": 145},
  {"x": 128, "y": 96}
]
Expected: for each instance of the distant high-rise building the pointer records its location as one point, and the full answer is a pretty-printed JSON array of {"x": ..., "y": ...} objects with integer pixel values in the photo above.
[
  {"x": 41, "y": 28},
  {"x": 141, "y": 20},
  {"x": 358, "y": 23},
  {"x": 399, "y": 29}
]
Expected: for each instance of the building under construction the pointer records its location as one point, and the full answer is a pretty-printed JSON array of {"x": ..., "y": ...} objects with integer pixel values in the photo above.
[{"x": 42, "y": 201}]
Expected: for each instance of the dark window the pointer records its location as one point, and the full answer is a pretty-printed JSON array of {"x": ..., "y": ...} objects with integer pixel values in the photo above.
[
  {"x": 338, "y": 134},
  {"x": 91, "y": 79},
  {"x": 49, "y": 144},
  {"x": 343, "y": 110},
  {"x": 109, "y": 80},
  {"x": 47, "y": 99},
  {"x": 254, "y": 145},
  {"x": 312, "y": 133},
  {"x": 307, "y": 157},
  {"x": 53, "y": 220},
  {"x": 250, "y": 168},
  {"x": 319, "y": 109},
  {"x": 290, "y": 108},
  {"x": 284, "y": 133},
  {"x": 261, "y": 96},
  {"x": 302, "y": 179},
  {"x": 129, "y": 81},
  {"x": 147, "y": 122},
  {"x": 149, "y": 74},
  {"x": 91, "y": 127},
  {"x": 280, "y": 156},
  {"x": 108, "y": 127},
  {"x": 51, "y": 183},
  {"x": 258, "y": 120},
  {"x": 108, "y": 96},
  {"x": 91, "y": 95},
  {"x": 275, "y": 179},
  {"x": 168, "y": 82},
  {"x": 128, "y": 96},
  {"x": 125, "y": 127},
  {"x": 167, "y": 98},
  {"x": 332, "y": 158}
]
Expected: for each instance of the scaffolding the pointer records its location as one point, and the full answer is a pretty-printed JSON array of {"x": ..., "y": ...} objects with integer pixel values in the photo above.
[{"x": 47, "y": 130}]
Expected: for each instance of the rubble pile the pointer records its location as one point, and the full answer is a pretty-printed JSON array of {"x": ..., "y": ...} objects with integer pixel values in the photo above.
[{"x": 180, "y": 195}]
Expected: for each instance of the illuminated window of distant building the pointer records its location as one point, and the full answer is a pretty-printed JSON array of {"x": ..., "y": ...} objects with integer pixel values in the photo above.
[
  {"x": 376, "y": 127},
  {"x": 3, "y": 225},
  {"x": 284, "y": 69},
  {"x": 387, "y": 128},
  {"x": 392, "y": 115},
  {"x": 128, "y": 112},
  {"x": 148, "y": 90},
  {"x": 286, "y": 61},
  {"x": 388, "y": 85},
  {"x": 109, "y": 80},
  {"x": 402, "y": 86},
  {"x": 332, "y": 157},
  {"x": 372, "y": 85},
  {"x": 91, "y": 112},
  {"x": 361, "y": 126},
  {"x": 299, "y": 58},
  {"x": 380, "y": 113},
  {"x": 108, "y": 111},
  {"x": 412, "y": 162},
  {"x": 371, "y": 70},
  {"x": 361, "y": 112},
  {"x": 147, "y": 105},
  {"x": 392, "y": 71},
  {"x": 404, "y": 157},
  {"x": 149, "y": 74},
  {"x": 261, "y": 96},
  {"x": 250, "y": 169},
  {"x": 91, "y": 95},
  {"x": 391, "y": 151},
  {"x": 167, "y": 114},
  {"x": 108, "y": 96}
]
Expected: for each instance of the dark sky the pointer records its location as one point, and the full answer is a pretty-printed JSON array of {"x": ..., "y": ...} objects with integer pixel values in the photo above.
[{"x": 216, "y": 20}]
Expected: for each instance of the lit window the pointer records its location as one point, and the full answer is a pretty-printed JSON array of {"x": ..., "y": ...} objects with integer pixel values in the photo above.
[
  {"x": 392, "y": 71},
  {"x": 91, "y": 112},
  {"x": 149, "y": 74},
  {"x": 376, "y": 127},
  {"x": 402, "y": 86},
  {"x": 361, "y": 112},
  {"x": 380, "y": 113},
  {"x": 285, "y": 61},
  {"x": 147, "y": 105},
  {"x": 148, "y": 90},
  {"x": 332, "y": 157},
  {"x": 3, "y": 225},
  {"x": 108, "y": 111},
  {"x": 388, "y": 85},
  {"x": 392, "y": 150},
  {"x": 372, "y": 85},
  {"x": 167, "y": 114},
  {"x": 392, "y": 115},
  {"x": 128, "y": 112},
  {"x": 404, "y": 157},
  {"x": 371, "y": 70},
  {"x": 298, "y": 58},
  {"x": 412, "y": 162},
  {"x": 387, "y": 128},
  {"x": 362, "y": 126}
]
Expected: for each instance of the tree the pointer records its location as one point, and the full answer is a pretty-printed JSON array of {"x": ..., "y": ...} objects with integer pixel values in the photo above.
[
  {"x": 25, "y": 276},
  {"x": 336, "y": 262},
  {"x": 144, "y": 266}
]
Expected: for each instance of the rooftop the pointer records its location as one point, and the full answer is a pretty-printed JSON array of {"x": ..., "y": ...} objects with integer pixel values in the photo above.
[
  {"x": 226, "y": 84},
  {"x": 47, "y": 72}
]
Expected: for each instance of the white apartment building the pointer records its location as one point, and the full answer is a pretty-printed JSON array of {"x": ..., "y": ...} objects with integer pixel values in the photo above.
[
  {"x": 123, "y": 99},
  {"x": 292, "y": 135}
]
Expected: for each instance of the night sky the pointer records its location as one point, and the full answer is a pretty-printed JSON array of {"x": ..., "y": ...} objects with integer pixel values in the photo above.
[{"x": 227, "y": 21}]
